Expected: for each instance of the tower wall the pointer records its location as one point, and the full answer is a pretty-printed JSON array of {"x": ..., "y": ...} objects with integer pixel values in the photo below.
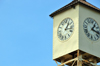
[
  {"x": 85, "y": 44},
  {"x": 61, "y": 48}
]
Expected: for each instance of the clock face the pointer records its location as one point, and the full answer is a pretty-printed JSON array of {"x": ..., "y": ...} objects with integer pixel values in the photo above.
[
  {"x": 65, "y": 29},
  {"x": 91, "y": 29}
]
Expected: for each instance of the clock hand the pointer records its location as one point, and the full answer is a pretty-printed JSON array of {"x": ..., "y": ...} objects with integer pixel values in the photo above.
[
  {"x": 96, "y": 31},
  {"x": 93, "y": 27},
  {"x": 67, "y": 26}
]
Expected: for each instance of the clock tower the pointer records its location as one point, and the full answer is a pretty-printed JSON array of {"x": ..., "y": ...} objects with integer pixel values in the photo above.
[{"x": 76, "y": 34}]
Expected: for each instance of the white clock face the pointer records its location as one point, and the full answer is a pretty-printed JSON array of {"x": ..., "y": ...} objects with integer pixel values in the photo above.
[
  {"x": 65, "y": 29},
  {"x": 91, "y": 29}
]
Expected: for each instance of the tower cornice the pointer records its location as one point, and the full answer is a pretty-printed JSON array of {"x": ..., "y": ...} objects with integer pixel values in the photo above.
[{"x": 72, "y": 4}]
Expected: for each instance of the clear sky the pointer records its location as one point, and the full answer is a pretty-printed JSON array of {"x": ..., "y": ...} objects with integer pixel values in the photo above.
[{"x": 26, "y": 31}]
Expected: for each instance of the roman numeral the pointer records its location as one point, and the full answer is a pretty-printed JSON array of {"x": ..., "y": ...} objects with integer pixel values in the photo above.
[
  {"x": 68, "y": 35},
  {"x": 97, "y": 35},
  {"x": 95, "y": 38},
  {"x": 65, "y": 37},
  {"x": 66, "y": 21},
  {"x": 92, "y": 21},
  {"x": 62, "y": 23},
  {"x": 97, "y": 27},
  {"x": 72, "y": 26},
  {"x": 70, "y": 23},
  {"x": 91, "y": 37},
  {"x": 86, "y": 31},
  {"x": 88, "y": 34},
  {"x": 71, "y": 30},
  {"x": 84, "y": 26},
  {"x": 86, "y": 23},
  {"x": 60, "y": 35},
  {"x": 59, "y": 27},
  {"x": 59, "y": 32},
  {"x": 88, "y": 20}
]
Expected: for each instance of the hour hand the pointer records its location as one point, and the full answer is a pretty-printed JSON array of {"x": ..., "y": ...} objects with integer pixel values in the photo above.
[
  {"x": 69, "y": 28},
  {"x": 93, "y": 27}
]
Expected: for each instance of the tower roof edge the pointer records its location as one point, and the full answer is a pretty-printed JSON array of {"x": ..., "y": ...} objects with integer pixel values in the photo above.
[{"x": 66, "y": 7}]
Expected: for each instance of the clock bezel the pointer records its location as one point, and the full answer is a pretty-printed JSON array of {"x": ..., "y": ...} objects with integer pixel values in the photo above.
[
  {"x": 71, "y": 33},
  {"x": 85, "y": 33}
]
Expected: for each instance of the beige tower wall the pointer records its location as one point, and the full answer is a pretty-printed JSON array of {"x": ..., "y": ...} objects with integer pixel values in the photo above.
[
  {"x": 61, "y": 48},
  {"x": 85, "y": 44}
]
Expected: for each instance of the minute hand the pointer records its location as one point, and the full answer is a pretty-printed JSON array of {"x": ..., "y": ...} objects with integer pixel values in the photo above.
[
  {"x": 67, "y": 26},
  {"x": 96, "y": 32}
]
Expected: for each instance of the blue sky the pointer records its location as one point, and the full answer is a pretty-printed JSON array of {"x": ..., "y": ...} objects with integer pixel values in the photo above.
[{"x": 26, "y": 31}]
